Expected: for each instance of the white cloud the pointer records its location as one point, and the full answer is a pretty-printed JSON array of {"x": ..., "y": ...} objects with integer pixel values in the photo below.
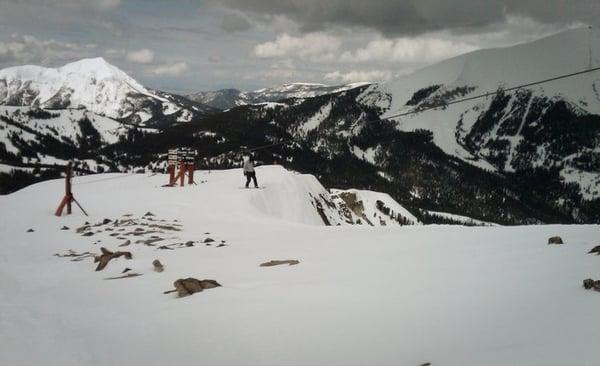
[
  {"x": 174, "y": 69},
  {"x": 357, "y": 76},
  {"x": 316, "y": 46},
  {"x": 420, "y": 49},
  {"x": 22, "y": 49},
  {"x": 143, "y": 56}
]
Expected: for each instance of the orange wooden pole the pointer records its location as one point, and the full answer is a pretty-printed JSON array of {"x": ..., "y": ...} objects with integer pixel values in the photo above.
[
  {"x": 68, "y": 191},
  {"x": 171, "y": 170},
  {"x": 190, "y": 168},
  {"x": 61, "y": 206},
  {"x": 181, "y": 175},
  {"x": 68, "y": 198}
]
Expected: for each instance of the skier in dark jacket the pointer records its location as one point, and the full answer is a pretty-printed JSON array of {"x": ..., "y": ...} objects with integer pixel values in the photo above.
[{"x": 249, "y": 172}]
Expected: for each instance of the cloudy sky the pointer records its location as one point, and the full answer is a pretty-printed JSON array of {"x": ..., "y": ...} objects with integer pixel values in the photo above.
[{"x": 189, "y": 45}]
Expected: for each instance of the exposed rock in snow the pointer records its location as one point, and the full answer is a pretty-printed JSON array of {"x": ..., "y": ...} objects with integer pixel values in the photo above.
[
  {"x": 158, "y": 267},
  {"x": 590, "y": 284},
  {"x": 373, "y": 208},
  {"x": 555, "y": 240},
  {"x": 595, "y": 249},
  {"x": 189, "y": 286},
  {"x": 271, "y": 263}
]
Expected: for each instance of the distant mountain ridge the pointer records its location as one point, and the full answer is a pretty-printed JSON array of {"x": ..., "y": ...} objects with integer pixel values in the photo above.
[{"x": 229, "y": 98}]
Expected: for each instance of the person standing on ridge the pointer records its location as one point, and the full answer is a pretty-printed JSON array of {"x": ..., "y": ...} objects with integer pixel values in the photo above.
[{"x": 249, "y": 172}]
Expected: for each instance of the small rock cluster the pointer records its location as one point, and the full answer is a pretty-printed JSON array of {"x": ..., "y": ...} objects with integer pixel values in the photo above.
[
  {"x": 588, "y": 283},
  {"x": 149, "y": 231}
]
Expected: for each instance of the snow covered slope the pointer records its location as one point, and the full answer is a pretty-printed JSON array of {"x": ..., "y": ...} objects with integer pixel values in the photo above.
[
  {"x": 31, "y": 137},
  {"x": 94, "y": 85},
  {"x": 288, "y": 196},
  {"x": 229, "y": 98},
  {"x": 554, "y": 124},
  {"x": 360, "y": 295}
]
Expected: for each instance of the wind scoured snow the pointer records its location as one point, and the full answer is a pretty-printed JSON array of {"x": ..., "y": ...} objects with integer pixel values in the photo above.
[{"x": 360, "y": 295}]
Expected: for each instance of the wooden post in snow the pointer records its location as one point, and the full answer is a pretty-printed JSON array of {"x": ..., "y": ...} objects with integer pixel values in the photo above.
[
  {"x": 182, "y": 162},
  {"x": 68, "y": 199},
  {"x": 189, "y": 163},
  {"x": 171, "y": 164}
]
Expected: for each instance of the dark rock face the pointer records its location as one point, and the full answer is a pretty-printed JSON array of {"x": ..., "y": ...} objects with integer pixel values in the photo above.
[
  {"x": 189, "y": 286},
  {"x": 555, "y": 240}
]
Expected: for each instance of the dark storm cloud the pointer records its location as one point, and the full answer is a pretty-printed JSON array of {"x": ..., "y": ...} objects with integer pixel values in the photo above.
[{"x": 395, "y": 17}]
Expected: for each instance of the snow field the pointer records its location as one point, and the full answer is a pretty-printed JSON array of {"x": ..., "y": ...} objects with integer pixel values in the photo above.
[{"x": 360, "y": 295}]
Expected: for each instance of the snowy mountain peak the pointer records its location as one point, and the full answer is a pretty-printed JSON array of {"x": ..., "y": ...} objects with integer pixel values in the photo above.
[
  {"x": 97, "y": 86},
  {"x": 98, "y": 68},
  {"x": 89, "y": 64},
  {"x": 93, "y": 84}
]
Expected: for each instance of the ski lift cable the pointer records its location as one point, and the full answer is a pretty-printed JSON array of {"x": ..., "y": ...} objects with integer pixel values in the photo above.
[
  {"x": 120, "y": 176},
  {"x": 267, "y": 146},
  {"x": 487, "y": 94}
]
